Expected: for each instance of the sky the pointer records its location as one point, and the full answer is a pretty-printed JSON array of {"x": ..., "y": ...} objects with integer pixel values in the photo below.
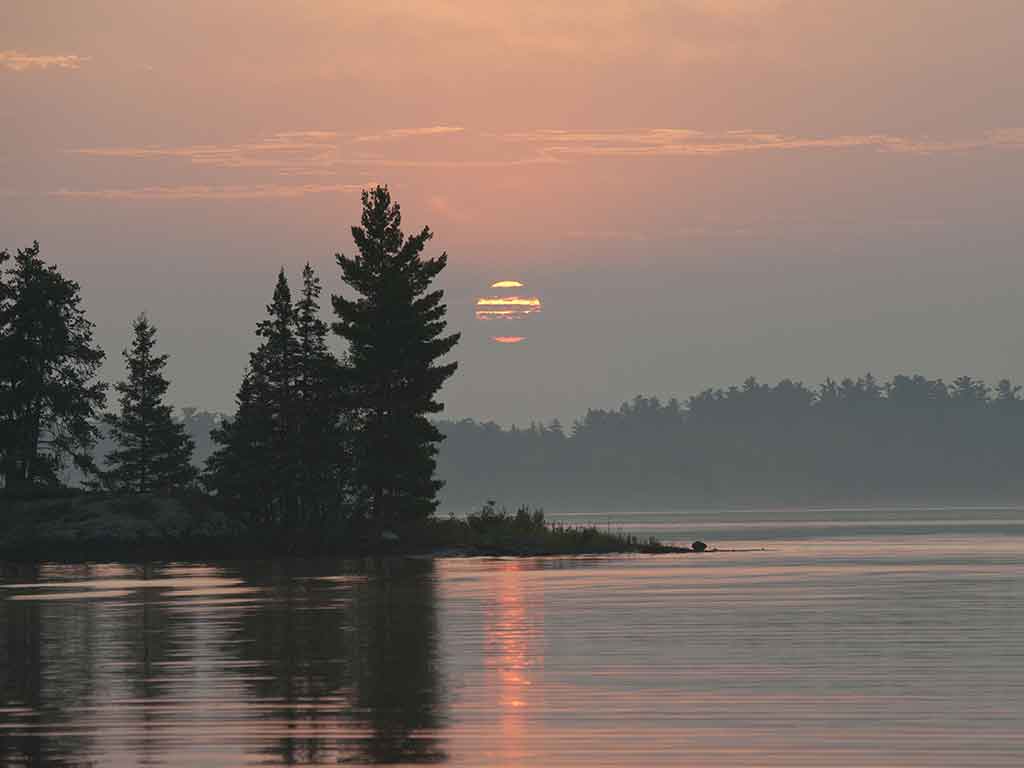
[{"x": 696, "y": 190}]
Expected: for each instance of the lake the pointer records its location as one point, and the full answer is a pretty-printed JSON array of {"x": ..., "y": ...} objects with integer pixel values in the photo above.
[{"x": 821, "y": 638}]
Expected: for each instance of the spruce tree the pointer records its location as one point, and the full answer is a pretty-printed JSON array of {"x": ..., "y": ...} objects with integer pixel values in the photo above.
[
  {"x": 49, "y": 398},
  {"x": 238, "y": 470},
  {"x": 319, "y": 438},
  {"x": 395, "y": 335},
  {"x": 256, "y": 467},
  {"x": 274, "y": 364},
  {"x": 154, "y": 453}
]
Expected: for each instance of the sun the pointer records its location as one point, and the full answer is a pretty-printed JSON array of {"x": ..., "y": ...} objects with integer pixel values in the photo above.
[{"x": 507, "y": 304}]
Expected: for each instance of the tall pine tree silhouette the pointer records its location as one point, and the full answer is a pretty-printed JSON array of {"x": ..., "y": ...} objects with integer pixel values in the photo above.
[
  {"x": 256, "y": 467},
  {"x": 274, "y": 366},
  {"x": 49, "y": 396},
  {"x": 281, "y": 460},
  {"x": 395, "y": 335},
  {"x": 154, "y": 453},
  {"x": 319, "y": 438}
]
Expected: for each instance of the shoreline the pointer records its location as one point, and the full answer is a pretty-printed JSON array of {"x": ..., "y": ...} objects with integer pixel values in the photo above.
[
  {"x": 151, "y": 552},
  {"x": 95, "y": 527},
  {"x": 146, "y": 554}
]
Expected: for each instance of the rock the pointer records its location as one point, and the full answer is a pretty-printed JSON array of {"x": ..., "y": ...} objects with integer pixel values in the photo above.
[{"x": 698, "y": 546}]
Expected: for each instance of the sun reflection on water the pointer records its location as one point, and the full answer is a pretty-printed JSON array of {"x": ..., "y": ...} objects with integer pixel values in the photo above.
[{"x": 513, "y": 639}]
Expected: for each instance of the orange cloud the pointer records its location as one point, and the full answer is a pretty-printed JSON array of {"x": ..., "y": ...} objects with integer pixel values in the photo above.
[
  {"x": 682, "y": 142},
  {"x": 292, "y": 149},
  {"x": 317, "y": 151},
  {"x": 405, "y": 133},
  {"x": 508, "y": 339},
  {"x": 323, "y": 153},
  {"x": 303, "y": 153},
  {"x": 507, "y": 284},
  {"x": 19, "y": 61},
  {"x": 206, "y": 192}
]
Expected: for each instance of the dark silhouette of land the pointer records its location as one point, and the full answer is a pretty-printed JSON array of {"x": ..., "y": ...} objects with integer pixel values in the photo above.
[
  {"x": 322, "y": 455},
  {"x": 319, "y": 447}
]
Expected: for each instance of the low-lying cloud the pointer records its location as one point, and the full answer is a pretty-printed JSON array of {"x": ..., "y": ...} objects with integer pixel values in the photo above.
[
  {"x": 328, "y": 154},
  {"x": 305, "y": 150},
  {"x": 682, "y": 142},
  {"x": 406, "y": 133},
  {"x": 298, "y": 149},
  {"x": 19, "y": 61},
  {"x": 209, "y": 192}
]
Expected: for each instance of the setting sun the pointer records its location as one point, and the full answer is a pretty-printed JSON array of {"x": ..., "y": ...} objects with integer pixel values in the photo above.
[{"x": 508, "y": 307}]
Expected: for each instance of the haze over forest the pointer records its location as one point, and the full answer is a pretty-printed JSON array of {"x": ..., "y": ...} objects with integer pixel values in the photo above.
[{"x": 909, "y": 440}]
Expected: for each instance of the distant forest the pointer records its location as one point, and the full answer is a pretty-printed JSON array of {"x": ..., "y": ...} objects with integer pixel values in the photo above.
[{"x": 911, "y": 439}]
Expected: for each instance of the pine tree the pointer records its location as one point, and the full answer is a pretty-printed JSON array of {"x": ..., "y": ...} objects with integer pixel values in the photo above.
[
  {"x": 49, "y": 399},
  {"x": 154, "y": 453},
  {"x": 274, "y": 364},
  {"x": 238, "y": 469},
  {"x": 394, "y": 331},
  {"x": 256, "y": 467},
  {"x": 320, "y": 442}
]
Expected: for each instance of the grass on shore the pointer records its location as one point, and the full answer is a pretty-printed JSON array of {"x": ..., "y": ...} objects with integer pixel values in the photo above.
[{"x": 495, "y": 530}]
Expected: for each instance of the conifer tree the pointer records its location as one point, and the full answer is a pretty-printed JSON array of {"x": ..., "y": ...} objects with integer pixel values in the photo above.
[
  {"x": 319, "y": 439},
  {"x": 256, "y": 467},
  {"x": 49, "y": 398},
  {"x": 395, "y": 335},
  {"x": 154, "y": 453},
  {"x": 238, "y": 470},
  {"x": 274, "y": 366}
]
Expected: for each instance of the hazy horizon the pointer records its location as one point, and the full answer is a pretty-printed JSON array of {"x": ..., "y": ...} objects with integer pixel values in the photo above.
[{"x": 699, "y": 191}]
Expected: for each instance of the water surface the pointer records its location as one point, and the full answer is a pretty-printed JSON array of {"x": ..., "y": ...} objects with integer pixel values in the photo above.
[{"x": 827, "y": 638}]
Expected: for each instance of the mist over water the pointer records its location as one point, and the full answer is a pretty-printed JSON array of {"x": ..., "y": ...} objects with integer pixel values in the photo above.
[{"x": 831, "y": 637}]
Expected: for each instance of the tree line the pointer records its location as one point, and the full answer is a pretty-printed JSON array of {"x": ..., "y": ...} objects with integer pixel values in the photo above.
[
  {"x": 317, "y": 441},
  {"x": 910, "y": 439},
  {"x": 320, "y": 441}
]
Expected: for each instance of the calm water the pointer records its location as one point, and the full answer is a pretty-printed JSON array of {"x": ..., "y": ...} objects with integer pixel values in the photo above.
[{"x": 855, "y": 638}]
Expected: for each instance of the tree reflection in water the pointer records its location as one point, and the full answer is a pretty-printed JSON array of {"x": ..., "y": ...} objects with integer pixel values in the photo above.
[
  {"x": 294, "y": 662},
  {"x": 351, "y": 659}
]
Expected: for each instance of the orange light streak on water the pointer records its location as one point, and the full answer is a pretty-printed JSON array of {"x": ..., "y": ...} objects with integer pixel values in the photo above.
[{"x": 512, "y": 632}]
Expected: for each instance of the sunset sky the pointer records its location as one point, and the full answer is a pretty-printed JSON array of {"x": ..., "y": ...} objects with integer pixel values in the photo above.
[{"x": 697, "y": 190}]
